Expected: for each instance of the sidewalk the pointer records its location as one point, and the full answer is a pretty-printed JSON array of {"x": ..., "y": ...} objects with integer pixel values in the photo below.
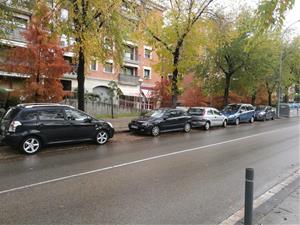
[
  {"x": 120, "y": 124},
  {"x": 287, "y": 212}
]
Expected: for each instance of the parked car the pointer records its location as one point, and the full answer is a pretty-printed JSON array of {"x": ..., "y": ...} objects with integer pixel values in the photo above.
[
  {"x": 263, "y": 112},
  {"x": 206, "y": 117},
  {"x": 237, "y": 113},
  {"x": 31, "y": 126},
  {"x": 184, "y": 108},
  {"x": 161, "y": 120}
]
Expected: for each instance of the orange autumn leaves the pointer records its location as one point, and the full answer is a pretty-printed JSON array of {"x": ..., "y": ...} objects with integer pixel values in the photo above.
[{"x": 41, "y": 61}]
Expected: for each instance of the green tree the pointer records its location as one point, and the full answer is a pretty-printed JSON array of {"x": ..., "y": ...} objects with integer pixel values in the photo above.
[
  {"x": 226, "y": 57},
  {"x": 98, "y": 30},
  {"x": 176, "y": 36}
]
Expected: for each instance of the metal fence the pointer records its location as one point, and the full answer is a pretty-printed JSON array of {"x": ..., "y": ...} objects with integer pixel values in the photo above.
[{"x": 96, "y": 108}]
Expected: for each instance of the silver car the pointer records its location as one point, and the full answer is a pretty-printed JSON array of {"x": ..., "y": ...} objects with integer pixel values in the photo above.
[{"x": 207, "y": 117}]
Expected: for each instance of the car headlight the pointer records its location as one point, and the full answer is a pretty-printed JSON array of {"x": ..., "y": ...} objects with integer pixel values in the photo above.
[
  {"x": 231, "y": 116},
  {"x": 262, "y": 113},
  {"x": 110, "y": 124}
]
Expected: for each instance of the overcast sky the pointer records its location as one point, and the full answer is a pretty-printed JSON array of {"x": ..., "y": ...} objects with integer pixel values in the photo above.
[
  {"x": 291, "y": 15},
  {"x": 294, "y": 15}
]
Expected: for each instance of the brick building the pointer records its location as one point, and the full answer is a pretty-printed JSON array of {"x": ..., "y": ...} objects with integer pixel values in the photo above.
[{"x": 136, "y": 77}]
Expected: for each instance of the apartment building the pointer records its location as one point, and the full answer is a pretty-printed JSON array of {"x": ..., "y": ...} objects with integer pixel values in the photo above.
[{"x": 136, "y": 77}]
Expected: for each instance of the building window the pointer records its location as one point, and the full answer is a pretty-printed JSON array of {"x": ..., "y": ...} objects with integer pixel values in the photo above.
[
  {"x": 147, "y": 53},
  {"x": 108, "y": 67},
  {"x": 93, "y": 65},
  {"x": 129, "y": 52},
  {"x": 129, "y": 71},
  {"x": 67, "y": 85},
  {"x": 147, "y": 74}
]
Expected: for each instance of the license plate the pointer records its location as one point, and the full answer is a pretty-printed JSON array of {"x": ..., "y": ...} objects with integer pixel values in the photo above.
[{"x": 134, "y": 126}]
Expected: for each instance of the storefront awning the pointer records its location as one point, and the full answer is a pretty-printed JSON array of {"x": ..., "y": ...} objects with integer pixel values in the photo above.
[
  {"x": 130, "y": 90},
  {"x": 147, "y": 93}
]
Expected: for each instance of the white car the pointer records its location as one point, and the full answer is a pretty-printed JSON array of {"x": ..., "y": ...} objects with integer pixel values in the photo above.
[{"x": 207, "y": 117}]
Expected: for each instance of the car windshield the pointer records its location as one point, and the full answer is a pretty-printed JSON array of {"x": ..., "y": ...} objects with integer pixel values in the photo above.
[
  {"x": 231, "y": 108},
  {"x": 155, "y": 113},
  {"x": 260, "y": 108},
  {"x": 197, "y": 111}
]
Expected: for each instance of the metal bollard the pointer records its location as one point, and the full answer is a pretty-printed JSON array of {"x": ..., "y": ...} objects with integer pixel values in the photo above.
[{"x": 249, "y": 183}]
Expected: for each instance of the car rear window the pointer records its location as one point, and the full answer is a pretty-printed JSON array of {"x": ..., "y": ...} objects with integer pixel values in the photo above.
[
  {"x": 11, "y": 114},
  {"x": 197, "y": 112}
]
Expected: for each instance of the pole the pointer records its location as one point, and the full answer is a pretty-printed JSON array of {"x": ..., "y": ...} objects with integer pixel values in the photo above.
[
  {"x": 249, "y": 184},
  {"x": 279, "y": 83}
]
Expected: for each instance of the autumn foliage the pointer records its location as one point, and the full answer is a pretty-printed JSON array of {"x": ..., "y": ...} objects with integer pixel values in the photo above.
[
  {"x": 193, "y": 93},
  {"x": 41, "y": 61},
  {"x": 162, "y": 94}
]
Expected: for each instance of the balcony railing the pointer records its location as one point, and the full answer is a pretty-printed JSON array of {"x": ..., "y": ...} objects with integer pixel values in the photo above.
[
  {"x": 131, "y": 60},
  {"x": 128, "y": 79},
  {"x": 16, "y": 35}
]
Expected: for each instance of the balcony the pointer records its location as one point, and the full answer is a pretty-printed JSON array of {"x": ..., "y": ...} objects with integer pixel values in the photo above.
[
  {"x": 128, "y": 79},
  {"x": 16, "y": 35},
  {"x": 133, "y": 60}
]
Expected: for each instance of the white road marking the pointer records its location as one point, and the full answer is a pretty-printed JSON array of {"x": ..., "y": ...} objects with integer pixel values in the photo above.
[
  {"x": 239, "y": 215},
  {"x": 136, "y": 162}
]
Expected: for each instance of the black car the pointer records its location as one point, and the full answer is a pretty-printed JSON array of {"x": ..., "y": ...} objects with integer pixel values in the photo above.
[
  {"x": 31, "y": 126},
  {"x": 162, "y": 120},
  {"x": 263, "y": 112}
]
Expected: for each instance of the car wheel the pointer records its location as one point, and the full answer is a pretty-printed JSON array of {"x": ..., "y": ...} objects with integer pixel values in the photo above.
[
  {"x": 237, "y": 121},
  {"x": 252, "y": 120},
  {"x": 187, "y": 127},
  {"x": 225, "y": 123},
  {"x": 155, "y": 131},
  {"x": 31, "y": 145},
  {"x": 207, "y": 126},
  {"x": 265, "y": 118},
  {"x": 273, "y": 118},
  {"x": 101, "y": 137}
]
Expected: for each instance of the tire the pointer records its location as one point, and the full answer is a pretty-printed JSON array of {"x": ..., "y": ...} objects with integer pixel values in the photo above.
[
  {"x": 224, "y": 123},
  {"x": 30, "y": 145},
  {"x": 207, "y": 126},
  {"x": 155, "y": 131},
  {"x": 251, "y": 120},
  {"x": 187, "y": 128},
  {"x": 237, "y": 121},
  {"x": 273, "y": 118},
  {"x": 265, "y": 119},
  {"x": 101, "y": 137}
]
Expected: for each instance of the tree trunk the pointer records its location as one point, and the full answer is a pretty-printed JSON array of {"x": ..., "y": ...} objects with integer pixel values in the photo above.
[
  {"x": 176, "y": 55},
  {"x": 286, "y": 95},
  {"x": 270, "y": 98},
  {"x": 80, "y": 79},
  {"x": 174, "y": 88},
  {"x": 226, "y": 88}
]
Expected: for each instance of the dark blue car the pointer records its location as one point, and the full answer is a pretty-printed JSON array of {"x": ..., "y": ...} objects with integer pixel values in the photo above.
[
  {"x": 237, "y": 113},
  {"x": 263, "y": 112}
]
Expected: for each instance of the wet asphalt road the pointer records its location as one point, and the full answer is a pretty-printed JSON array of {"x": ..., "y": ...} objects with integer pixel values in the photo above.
[{"x": 177, "y": 178}]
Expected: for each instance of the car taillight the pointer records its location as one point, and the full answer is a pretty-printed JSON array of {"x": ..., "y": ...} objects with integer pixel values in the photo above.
[{"x": 13, "y": 126}]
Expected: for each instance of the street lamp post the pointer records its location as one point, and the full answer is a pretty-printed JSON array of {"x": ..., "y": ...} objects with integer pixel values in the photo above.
[
  {"x": 141, "y": 95},
  {"x": 280, "y": 66}
]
